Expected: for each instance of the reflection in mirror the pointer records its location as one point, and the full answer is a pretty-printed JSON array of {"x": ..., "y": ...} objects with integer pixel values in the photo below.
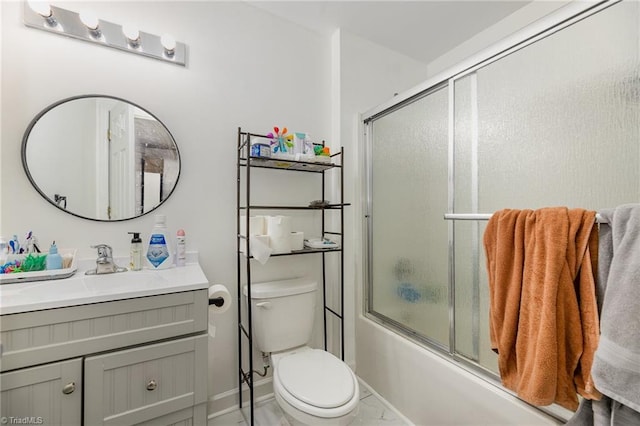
[{"x": 100, "y": 158}]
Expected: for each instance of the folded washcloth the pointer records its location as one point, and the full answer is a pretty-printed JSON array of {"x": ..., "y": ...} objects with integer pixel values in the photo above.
[
  {"x": 543, "y": 311},
  {"x": 616, "y": 367}
]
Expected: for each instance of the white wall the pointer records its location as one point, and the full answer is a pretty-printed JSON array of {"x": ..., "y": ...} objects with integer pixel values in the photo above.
[
  {"x": 242, "y": 71},
  {"x": 504, "y": 28},
  {"x": 367, "y": 74}
]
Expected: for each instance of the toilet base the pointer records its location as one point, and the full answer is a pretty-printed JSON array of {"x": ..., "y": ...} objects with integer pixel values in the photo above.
[{"x": 302, "y": 418}]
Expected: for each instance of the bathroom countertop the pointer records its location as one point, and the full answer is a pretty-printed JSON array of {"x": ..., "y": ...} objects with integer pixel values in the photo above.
[{"x": 81, "y": 289}]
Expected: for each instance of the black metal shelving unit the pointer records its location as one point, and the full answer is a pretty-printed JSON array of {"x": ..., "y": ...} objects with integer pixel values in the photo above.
[{"x": 243, "y": 206}]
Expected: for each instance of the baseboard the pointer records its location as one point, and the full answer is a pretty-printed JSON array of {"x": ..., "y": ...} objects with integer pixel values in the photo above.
[{"x": 226, "y": 402}]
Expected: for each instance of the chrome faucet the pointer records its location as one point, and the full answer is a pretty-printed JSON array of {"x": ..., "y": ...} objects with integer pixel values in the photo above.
[{"x": 104, "y": 262}]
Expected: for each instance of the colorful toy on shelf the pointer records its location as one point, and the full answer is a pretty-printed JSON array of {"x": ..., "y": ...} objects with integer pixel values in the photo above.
[
  {"x": 280, "y": 141},
  {"x": 322, "y": 150}
]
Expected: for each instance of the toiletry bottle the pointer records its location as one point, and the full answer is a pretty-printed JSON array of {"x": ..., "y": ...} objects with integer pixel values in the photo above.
[
  {"x": 159, "y": 253},
  {"x": 4, "y": 252},
  {"x": 54, "y": 260},
  {"x": 181, "y": 248},
  {"x": 135, "y": 253},
  {"x": 14, "y": 245}
]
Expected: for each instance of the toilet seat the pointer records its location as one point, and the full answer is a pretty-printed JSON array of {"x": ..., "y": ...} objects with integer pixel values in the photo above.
[
  {"x": 317, "y": 383},
  {"x": 317, "y": 378}
]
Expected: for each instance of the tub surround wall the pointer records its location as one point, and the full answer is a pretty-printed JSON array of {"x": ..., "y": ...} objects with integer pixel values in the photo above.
[{"x": 431, "y": 390}]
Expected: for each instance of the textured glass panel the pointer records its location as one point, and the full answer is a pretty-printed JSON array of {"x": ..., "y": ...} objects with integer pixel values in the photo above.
[
  {"x": 554, "y": 124},
  {"x": 559, "y": 120},
  {"x": 409, "y": 196}
]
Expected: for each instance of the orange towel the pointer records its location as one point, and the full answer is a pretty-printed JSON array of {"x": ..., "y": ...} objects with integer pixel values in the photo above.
[{"x": 543, "y": 309}]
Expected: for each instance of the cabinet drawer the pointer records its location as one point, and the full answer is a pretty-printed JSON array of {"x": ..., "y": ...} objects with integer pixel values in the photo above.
[
  {"x": 43, "y": 336},
  {"x": 137, "y": 385},
  {"x": 49, "y": 395}
]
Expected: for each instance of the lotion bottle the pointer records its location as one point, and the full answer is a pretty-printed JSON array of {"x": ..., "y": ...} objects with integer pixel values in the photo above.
[
  {"x": 54, "y": 260},
  {"x": 159, "y": 253},
  {"x": 135, "y": 253}
]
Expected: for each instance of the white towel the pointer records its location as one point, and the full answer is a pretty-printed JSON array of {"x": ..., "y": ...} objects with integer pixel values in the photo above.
[{"x": 616, "y": 367}]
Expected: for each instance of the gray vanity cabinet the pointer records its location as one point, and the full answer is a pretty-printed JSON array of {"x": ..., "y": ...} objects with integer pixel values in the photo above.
[
  {"x": 123, "y": 362},
  {"x": 48, "y": 394}
]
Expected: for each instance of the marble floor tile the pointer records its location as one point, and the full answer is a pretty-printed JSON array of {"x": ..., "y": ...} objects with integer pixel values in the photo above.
[
  {"x": 269, "y": 413},
  {"x": 233, "y": 418},
  {"x": 372, "y": 412}
]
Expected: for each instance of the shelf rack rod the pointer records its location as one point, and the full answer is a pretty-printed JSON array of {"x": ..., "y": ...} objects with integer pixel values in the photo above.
[
  {"x": 342, "y": 206},
  {"x": 333, "y": 312},
  {"x": 487, "y": 216}
]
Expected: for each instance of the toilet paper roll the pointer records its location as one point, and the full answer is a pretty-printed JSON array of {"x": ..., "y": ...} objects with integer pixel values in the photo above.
[
  {"x": 297, "y": 240},
  {"x": 219, "y": 299},
  {"x": 279, "y": 231},
  {"x": 256, "y": 225},
  {"x": 219, "y": 302},
  {"x": 262, "y": 239},
  {"x": 260, "y": 248}
]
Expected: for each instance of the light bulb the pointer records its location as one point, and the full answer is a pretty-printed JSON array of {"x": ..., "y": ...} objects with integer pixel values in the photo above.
[
  {"x": 40, "y": 7},
  {"x": 89, "y": 19},
  {"x": 132, "y": 34},
  {"x": 169, "y": 44},
  {"x": 43, "y": 9}
]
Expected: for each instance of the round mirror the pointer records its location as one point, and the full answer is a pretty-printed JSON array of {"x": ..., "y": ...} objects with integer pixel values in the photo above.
[{"x": 100, "y": 158}]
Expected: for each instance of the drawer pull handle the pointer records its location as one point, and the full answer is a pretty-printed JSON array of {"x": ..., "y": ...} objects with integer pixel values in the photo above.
[
  {"x": 69, "y": 388},
  {"x": 152, "y": 385}
]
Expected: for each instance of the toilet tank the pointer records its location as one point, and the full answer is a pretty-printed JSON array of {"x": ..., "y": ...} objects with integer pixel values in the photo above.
[{"x": 282, "y": 313}]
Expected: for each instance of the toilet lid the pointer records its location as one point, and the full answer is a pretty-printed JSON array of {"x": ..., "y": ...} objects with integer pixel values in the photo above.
[{"x": 317, "y": 378}]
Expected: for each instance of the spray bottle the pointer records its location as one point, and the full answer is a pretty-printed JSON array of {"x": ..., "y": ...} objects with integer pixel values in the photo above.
[{"x": 181, "y": 249}]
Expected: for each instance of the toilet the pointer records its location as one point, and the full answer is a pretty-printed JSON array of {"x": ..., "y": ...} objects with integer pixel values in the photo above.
[{"x": 310, "y": 385}]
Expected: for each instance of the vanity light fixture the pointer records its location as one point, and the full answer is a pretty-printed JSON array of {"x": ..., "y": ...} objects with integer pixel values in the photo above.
[
  {"x": 86, "y": 26},
  {"x": 132, "y": 34},
  {"x": 43, "y": 9}
]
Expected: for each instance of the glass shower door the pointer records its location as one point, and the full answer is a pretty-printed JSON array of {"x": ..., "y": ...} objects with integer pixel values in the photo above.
[
  {"x": 556, "y": 123},
  {"x": 408, "y": 264}
]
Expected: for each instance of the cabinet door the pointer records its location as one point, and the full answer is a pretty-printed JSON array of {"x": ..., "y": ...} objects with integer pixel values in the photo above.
[
  {"x": 137, "y": 385},
  {"x": 50, "y": 394}
]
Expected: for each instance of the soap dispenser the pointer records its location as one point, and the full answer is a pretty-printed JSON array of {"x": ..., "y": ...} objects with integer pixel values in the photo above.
[
  {"x": 135, "y": 253},
  {"x": 54, "y": 260}
]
